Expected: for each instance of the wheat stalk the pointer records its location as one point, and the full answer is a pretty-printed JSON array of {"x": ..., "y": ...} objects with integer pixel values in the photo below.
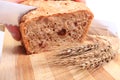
[{"x": 85, "y": 56}]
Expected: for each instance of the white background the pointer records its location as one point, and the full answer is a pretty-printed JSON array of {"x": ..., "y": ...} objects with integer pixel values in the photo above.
[
  {"x": 1, "y": 42},
  {"x": 108, "y": 11}
]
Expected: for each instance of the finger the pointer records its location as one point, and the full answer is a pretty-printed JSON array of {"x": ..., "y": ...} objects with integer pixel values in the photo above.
[
  {"x": 14, "y": 32},
  {"x": 80, "y": 1},
  {"x": 18, "y": 1}
]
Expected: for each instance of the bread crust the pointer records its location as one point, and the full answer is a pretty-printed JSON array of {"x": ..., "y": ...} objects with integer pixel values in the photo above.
[{"x": 46, "y": 9}]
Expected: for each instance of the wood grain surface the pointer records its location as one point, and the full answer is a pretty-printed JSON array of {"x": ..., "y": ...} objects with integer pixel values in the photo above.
[{"x": 16, "y": 65}]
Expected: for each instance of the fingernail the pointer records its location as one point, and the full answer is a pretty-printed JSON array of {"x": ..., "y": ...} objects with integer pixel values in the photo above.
[{"x": 15, "y": 36}]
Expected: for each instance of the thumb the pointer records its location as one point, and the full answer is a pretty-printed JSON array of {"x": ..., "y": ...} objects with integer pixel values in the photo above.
[
  {"x": 83, "y": 1},
  {"x": 17, "y": 1},
  {"x": 15, "y": 32}
]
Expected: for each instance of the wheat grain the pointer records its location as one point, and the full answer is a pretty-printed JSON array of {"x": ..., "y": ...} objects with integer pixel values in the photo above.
[{"x": 85, "y": 56}]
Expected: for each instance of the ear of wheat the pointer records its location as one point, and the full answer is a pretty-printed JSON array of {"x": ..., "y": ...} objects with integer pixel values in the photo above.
[{"x": 86, "y": 56}]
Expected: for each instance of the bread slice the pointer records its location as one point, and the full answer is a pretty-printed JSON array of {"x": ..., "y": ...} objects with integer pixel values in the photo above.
[{"x": 54, "y": 24}]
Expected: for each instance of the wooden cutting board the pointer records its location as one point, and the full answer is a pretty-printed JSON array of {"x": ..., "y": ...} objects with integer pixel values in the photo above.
[{"x": 16, "y": 65}]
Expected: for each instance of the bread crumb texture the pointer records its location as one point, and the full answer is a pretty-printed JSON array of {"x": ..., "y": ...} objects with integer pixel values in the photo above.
[{"x": 54, "y": 24}]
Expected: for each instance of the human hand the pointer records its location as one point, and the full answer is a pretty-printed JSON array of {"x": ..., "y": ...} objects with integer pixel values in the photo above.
[
  {"x": 18, "y": 1},
  {"x": 80, "y": 1},
  {"x": 14, "y": 30}
]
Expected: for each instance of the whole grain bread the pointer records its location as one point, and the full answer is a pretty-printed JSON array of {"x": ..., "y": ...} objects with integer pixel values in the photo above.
[{"x": 54, "y": 24}]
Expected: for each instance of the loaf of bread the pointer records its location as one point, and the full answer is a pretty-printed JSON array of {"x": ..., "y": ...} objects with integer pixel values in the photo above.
[{"x": 54, "y": 24}]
